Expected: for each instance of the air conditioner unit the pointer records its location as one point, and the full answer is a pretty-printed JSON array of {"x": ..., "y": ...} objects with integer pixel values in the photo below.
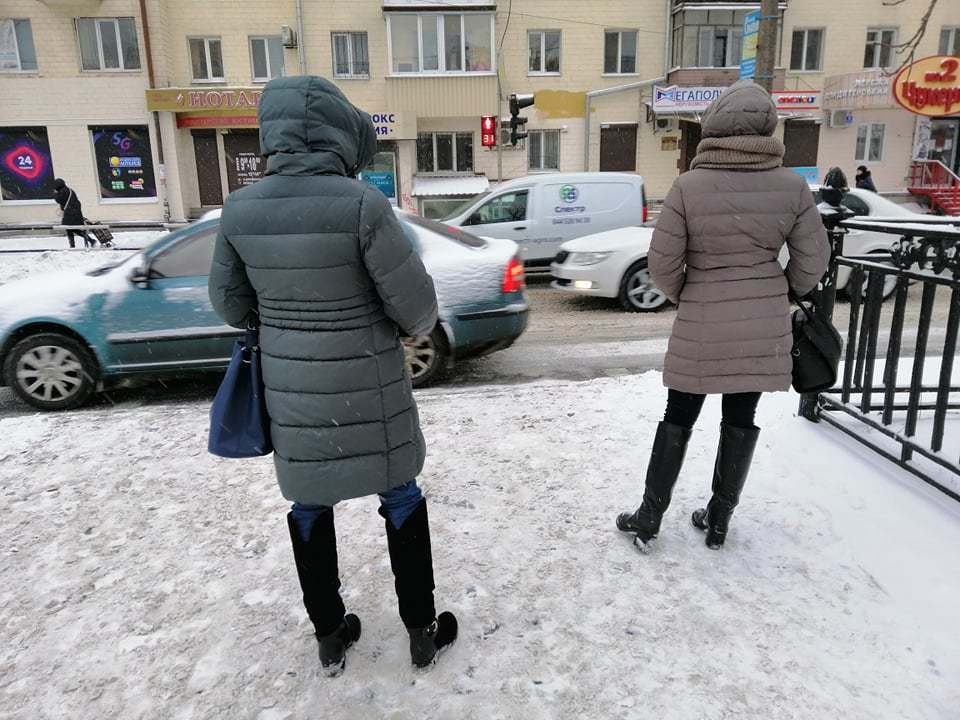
[
  {"x": 288, "y": 36},
  {"x": 841, "y": 118},
  {"x": 666, "y": 124}
]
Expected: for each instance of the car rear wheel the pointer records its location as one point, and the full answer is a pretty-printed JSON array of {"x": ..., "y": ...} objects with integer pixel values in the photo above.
[
  {"x": 51, "y": 372},
  {"x": 427, "y": 357},
  {"x": 889, "y": 283},
  {"x": 637, "y": 291}
]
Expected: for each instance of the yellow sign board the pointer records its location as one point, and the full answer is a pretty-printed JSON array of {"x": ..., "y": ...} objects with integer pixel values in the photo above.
[{"x": 211, "y": 102}]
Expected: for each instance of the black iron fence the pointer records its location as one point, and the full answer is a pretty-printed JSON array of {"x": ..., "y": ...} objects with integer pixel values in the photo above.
[{"x": 893, "y": 376}]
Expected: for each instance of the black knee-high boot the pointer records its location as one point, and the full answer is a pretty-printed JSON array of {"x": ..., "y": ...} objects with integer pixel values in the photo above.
[
  {"x": 666, "y": 459},
  {"x": 734, "y": 456},
  {"x": 319, "y": 575},
  {"x": 411, "y": 560}
]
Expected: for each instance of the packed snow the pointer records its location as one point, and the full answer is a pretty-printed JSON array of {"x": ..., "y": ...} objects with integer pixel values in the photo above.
[
  {"x": 144, "y": 578},
  {"x": 129, "y": 239}
]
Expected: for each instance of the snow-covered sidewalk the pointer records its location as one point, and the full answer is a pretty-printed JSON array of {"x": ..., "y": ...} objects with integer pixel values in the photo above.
[{"x": 142, "y": 578}]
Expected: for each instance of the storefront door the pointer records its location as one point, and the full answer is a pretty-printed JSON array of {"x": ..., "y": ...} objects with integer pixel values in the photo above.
[
  {"x": 802, "y": 140},
  {"x": 944, "y": 136},
  {"x": 208, "y": 167},
  {"x": 689, "y": 140},
  {"x": 618, "y": 148}
]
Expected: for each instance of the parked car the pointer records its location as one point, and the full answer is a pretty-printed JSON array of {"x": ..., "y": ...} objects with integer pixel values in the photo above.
[
  {"x": 611, "y": 264},
  {"x": 63, "y": 336},
  {"x": 543, "y": 211},
  {"x": 614, "y": 264}
]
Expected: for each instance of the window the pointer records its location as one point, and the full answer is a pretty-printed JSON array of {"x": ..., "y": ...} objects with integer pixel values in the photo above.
[
  {"x": 441, "y": 43},
  {"x": 620, "y": 52},
  {"x": 544, "y": 52},
  {"x": 26, "y": 172},
  {"x": 445, "y": 152},
  {"x": 108, "y": 44},
  {"x": 950, "y": 41},
  {"x": 17, "y": 53},
  {"x": 206, "y": 58},
  {"x": 806, "y": 50},
  {"x": 544, "y": 149},
  {"x": 708, "y": 38},
  {"x": 124, "y": 162},
  {"x": 510, "y": 207},
  {"x": 191, "y": 257},
  {"x": 266, "y": 58},
  {"x": 351, "y": 57},
  {"x": 870, "y": 142},
  {"x": 879, "y": 49}
]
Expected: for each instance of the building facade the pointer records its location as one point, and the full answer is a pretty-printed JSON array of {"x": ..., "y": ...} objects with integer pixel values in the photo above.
[{"x": 148, "y": 107}]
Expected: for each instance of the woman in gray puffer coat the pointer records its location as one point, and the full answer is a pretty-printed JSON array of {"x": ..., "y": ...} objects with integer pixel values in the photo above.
[
  {"x": 324, "y": 263},
  {"x": 715, "y": 253}
]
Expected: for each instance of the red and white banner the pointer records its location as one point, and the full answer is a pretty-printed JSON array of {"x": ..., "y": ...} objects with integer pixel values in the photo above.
[{"x": 796, "y": 100}]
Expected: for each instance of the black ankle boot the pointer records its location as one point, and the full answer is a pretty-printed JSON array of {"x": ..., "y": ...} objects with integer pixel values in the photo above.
[
  {"x": 666, "y": 459},
  {"x": 319, "y": 575},
  {"x": 412, "y": 563},
  {"x": 333, "y": 647},
  {"x": 734, "y": 455}
]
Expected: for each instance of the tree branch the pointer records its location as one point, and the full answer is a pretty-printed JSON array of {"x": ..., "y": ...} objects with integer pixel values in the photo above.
[{"x": 908, "y": 49}]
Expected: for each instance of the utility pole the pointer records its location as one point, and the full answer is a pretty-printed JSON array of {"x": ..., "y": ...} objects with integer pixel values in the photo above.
[
  {"x": 767, "y": 43},
  {"x": 497, "y": 126}
]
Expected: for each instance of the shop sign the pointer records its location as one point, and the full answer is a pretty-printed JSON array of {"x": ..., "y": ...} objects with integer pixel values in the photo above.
[
  {"x": 189, "y": 120},
  {"x": 675, "y": 99},
  {"x": 751, "y": 34},
  {"x": 857, "y": 91},
  {"x": 245, "y": 164},
  {"x": 26, "y": 168},
  {"x": 209, "y": 101},
  {"x": 930, "y": 86},
  {"x": 808, "y": 173},
  {"x": 382, "y": 174},
  {"x": 394, "y": 125},
  {"x": 124, "y": 161},
  {"x": 798, "y": 101}
]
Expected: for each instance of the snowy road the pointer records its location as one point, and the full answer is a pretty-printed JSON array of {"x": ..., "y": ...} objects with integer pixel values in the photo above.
[
  {"x": 569, "y": 337},
  {"x": 143, "y": 578}
]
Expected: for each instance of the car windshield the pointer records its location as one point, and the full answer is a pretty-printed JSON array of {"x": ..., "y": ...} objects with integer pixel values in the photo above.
[
  {"x": 451, "y": 233},
  {"x": 465, "y": 204}
]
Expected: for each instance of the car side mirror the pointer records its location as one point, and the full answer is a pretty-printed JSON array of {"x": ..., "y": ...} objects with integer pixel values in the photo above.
[
  {"x": 140, "y": 277},
  {"x": 474, "y": 219}
]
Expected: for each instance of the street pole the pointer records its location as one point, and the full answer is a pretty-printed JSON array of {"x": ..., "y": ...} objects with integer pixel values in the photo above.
[
  {"x": 497, "y": 125},
  {"x": 767, "y": 43}
]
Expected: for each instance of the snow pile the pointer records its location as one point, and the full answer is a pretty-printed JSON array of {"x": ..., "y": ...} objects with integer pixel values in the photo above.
[
  {"x": 16, "y": 266},
  {"x": 143, "y": 578}
]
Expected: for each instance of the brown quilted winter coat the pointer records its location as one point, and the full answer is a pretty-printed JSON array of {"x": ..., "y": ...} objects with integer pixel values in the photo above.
[{"x": 715, "y": 249}]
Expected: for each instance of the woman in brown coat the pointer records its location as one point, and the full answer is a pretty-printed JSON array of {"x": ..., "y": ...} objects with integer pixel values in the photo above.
[{"x": 714, "y": 253}]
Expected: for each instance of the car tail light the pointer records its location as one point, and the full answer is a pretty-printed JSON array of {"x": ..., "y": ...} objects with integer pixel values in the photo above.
[
  {"x": 646, "y": 211},
  {"x": 513, "y": 278}
]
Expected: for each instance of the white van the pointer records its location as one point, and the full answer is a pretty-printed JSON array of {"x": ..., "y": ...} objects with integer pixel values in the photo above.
[{"x": 541, "y": 212}]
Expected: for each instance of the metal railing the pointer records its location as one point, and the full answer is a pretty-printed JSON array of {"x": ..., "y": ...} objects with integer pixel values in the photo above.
[
  {"x": 875, "y": 389},
  {"x": 933, "y": 178}
]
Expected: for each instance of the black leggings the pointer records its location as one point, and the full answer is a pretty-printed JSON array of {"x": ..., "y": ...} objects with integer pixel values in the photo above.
[
  {"x": 739, "y": 409},
  {"x": 87, "y": 240}
]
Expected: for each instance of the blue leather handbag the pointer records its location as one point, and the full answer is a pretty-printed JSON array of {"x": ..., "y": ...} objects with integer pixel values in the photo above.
[{"x": 239, "y": 424}]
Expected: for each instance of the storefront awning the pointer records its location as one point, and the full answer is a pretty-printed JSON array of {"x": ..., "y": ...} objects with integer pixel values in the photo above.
[{"x": 453, "y": 185}]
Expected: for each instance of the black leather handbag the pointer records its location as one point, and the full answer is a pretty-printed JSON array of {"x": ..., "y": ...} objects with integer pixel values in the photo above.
[{"x": 817, "y": 347}]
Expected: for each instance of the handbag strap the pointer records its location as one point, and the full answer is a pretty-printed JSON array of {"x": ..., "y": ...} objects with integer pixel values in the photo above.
[
  {"x": 252, "y": 338},
  {"x": 808, "y": 311}
]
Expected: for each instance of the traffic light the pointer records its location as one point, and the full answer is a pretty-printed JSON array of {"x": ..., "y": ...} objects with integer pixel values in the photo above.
[
  {"x": 488, "y": 131},
  {"x": 518, "y": 103}
]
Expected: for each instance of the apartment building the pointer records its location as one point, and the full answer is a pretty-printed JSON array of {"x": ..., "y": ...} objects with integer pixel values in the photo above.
[
  {"x": 148, "y": 107},
  {"x": 848, "y": 57}
]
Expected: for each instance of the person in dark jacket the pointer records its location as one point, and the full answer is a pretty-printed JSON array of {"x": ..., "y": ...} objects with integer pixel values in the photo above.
[
  {"x": 864, "y": 179},
  {"x": 69, "y": 204},
  {"x": 715, "y": 253},
  {"x": 323, "y": 262}
]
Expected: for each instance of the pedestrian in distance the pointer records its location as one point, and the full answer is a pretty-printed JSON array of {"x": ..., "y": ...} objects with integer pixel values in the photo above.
[
  {"x": 715, "y": 253},
  {"x": 323, "y": 263},
  {"x": 864, "y": 179},
  {"x": 71, "y": 213}
]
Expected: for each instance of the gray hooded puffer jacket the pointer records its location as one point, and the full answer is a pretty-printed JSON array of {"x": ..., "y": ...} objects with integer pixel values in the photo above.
[
  {"x": 323, "y": 260},
  {"x": 715, "y": 247}
]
